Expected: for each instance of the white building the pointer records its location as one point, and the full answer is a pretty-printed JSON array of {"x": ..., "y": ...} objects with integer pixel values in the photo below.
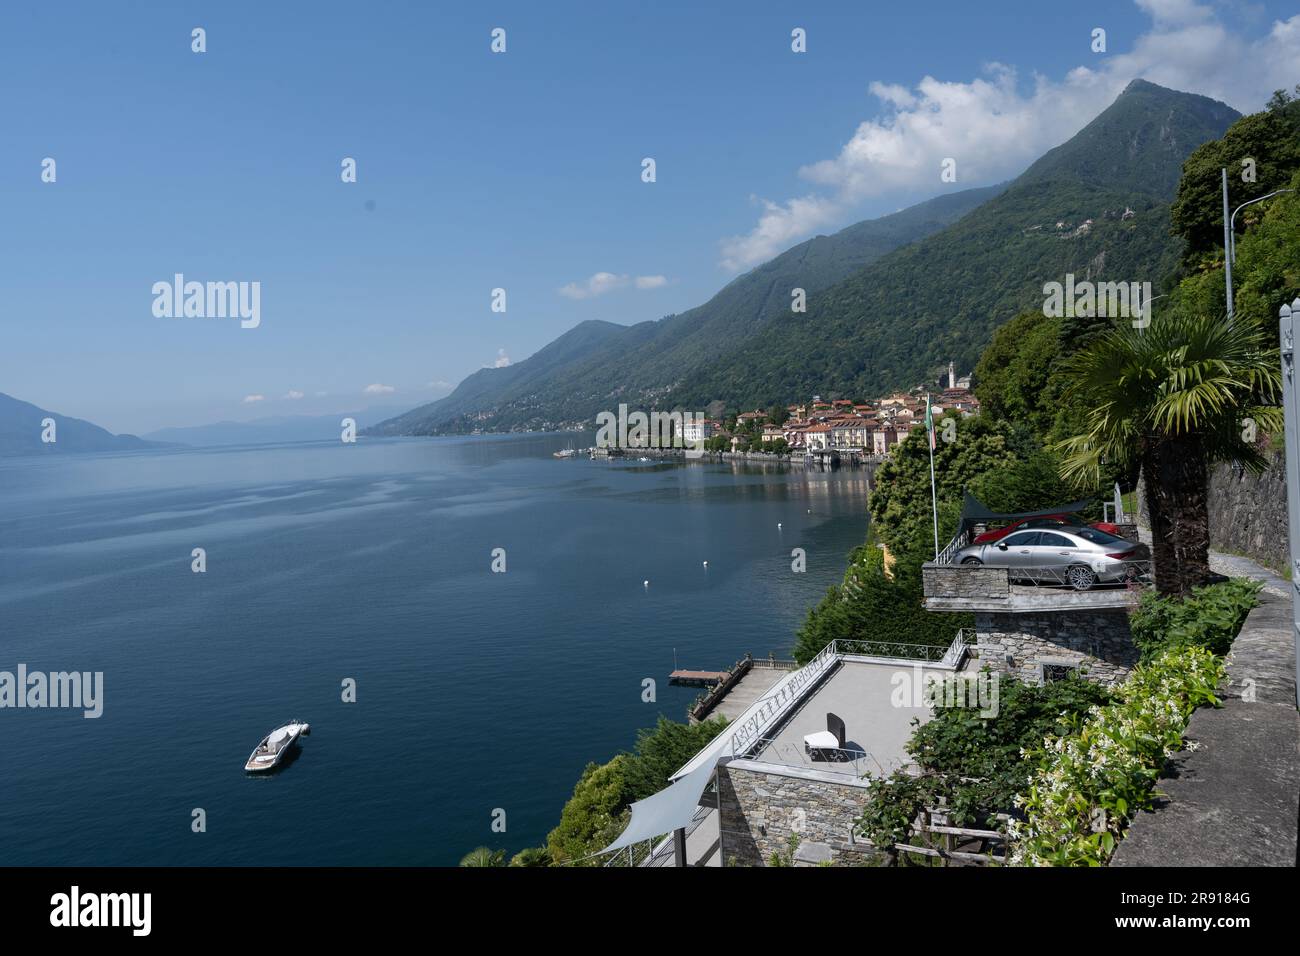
[{"x": 698, "y": 430}]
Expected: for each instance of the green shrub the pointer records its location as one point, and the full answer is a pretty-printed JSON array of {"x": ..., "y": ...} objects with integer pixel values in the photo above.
[
  {"x": 593, "y": 816},
  {"x": 975, "y": 765},
  {"x": 1089, "y": 783},
  {"x": 1210, "y": 617},
  {"x": 597, "y": 812},
  {"x": 870, "y": 606},
  {"x": 532, "y": 856}
]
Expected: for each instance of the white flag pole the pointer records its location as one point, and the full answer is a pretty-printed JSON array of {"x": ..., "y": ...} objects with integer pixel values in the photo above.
[{"x": 934, "y": 498}]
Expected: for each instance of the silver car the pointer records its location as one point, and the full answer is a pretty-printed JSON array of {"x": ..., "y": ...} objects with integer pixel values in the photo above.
[{"x": 1080, "y": 557}]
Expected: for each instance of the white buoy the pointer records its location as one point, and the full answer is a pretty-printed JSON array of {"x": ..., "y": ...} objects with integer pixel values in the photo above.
[
  {"x": 645, "y": 584},
  {"x": 706, "y": 564},
  {"x": 778, "y": 526}
]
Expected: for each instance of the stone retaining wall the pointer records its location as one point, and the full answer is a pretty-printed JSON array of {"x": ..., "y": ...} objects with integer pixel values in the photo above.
[
  {"x": 955, "y": 581},
  {"x": 1020, "y": 645},
  {"x": 760, "y": 811},
  {"x": 1248, "y": 513}
]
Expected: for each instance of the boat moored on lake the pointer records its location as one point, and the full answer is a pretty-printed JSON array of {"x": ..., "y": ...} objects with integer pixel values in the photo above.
[{"x": 275, "y": 745}]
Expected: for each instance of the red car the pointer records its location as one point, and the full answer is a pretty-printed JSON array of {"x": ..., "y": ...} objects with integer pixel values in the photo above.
[{"x": 1045, "y": 521}]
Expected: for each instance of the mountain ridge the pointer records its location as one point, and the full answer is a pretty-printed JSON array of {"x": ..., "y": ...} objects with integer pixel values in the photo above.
[{"x": 21, "y": 429}]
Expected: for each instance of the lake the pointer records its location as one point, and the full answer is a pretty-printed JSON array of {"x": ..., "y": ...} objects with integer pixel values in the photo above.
[{"x": 475, "y": 691}]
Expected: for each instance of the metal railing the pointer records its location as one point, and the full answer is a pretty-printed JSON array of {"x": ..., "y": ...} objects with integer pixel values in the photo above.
[
  {"x": 895, "y": 650},
  {"x": 957, "y": 649},
  {"x": 958, "y": 542},
  {"x": 789, "y": 691},
  {"x": 849, "y": 758},
  {"x": 1081, "y": 576}
]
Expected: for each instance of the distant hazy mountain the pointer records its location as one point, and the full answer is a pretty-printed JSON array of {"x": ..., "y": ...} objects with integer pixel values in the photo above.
[
  {"x": 890, "y": 300},
  {"x": 595, "y": 363},
  {"x": 272, "y": 429},
  {"x": 21, "y": 430}
]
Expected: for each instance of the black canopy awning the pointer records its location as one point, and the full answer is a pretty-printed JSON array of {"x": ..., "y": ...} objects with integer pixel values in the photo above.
[{"x": 974, "y": 511}]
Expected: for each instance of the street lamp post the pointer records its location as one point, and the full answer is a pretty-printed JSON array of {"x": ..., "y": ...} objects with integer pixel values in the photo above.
[
  {"x": 1232, "y": 235},
  {"x": 1288, "y": 320},
  {"x": 1144, "y": 312},
  {"x": 1229, "y": 237},
  {"x": 1227, "y": 244}
]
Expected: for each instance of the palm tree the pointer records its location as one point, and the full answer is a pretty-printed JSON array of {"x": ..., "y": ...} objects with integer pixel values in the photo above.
[
  {"x": 482, "y": 856},
  {"x": 1174, "y": 399},
  {"x": 532, "y": 856}
]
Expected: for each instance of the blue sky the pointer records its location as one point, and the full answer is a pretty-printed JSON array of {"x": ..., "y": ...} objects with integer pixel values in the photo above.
[{"x": 518, "y": 170}]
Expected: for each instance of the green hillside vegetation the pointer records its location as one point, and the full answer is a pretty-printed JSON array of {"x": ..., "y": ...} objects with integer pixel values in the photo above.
[
  {"x": 893, "y": 323},
  {"x": 1006, "y": 455},
  {"x": 1270, "y": 139}
]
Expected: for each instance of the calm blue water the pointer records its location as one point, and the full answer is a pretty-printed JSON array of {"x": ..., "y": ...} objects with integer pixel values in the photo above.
[{"x": 476, "y": 691}]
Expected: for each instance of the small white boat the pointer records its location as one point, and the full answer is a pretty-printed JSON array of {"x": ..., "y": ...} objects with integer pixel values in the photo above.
[
  {"x": 275, "y": 745},
  {"x": 564, "y": 453}
]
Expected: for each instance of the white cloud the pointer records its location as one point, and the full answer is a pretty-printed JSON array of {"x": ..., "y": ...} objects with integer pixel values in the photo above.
[
  {"x": 502, "y": 359},
  {"x": 293, "y": 395},
  {"x": 778, "y": 228},
  {"x": 439, "y": 384},
  {"x": 598, "y": 284},
  {"x": 251, "y": 399},
  {"x": 1174, "y": 12},
  {"x": 995, "y": 125},
  {"x": 378, "y": 389},
  {"x": 603, "y": 282}
]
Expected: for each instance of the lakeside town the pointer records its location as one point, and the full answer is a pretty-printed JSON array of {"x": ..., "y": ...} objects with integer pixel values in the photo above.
[
  {"x": 836, "y": 429},
  {"x": 868, "y": 428}
]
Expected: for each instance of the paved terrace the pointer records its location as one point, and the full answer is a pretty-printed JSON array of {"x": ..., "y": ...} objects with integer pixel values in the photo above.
[
  {"x": 1234, "y": 800},
  {"x": 861, "y": 692}
]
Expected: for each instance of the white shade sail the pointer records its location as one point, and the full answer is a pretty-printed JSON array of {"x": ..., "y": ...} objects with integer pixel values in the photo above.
[{"x": 669, "y": 809}]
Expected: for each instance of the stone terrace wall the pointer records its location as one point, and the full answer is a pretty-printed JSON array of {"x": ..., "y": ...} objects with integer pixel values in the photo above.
[
  {"x": 760, "y": 811},
  {"x": 1099, "y": 640},
  {"x": 1248, "y": 513}
]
